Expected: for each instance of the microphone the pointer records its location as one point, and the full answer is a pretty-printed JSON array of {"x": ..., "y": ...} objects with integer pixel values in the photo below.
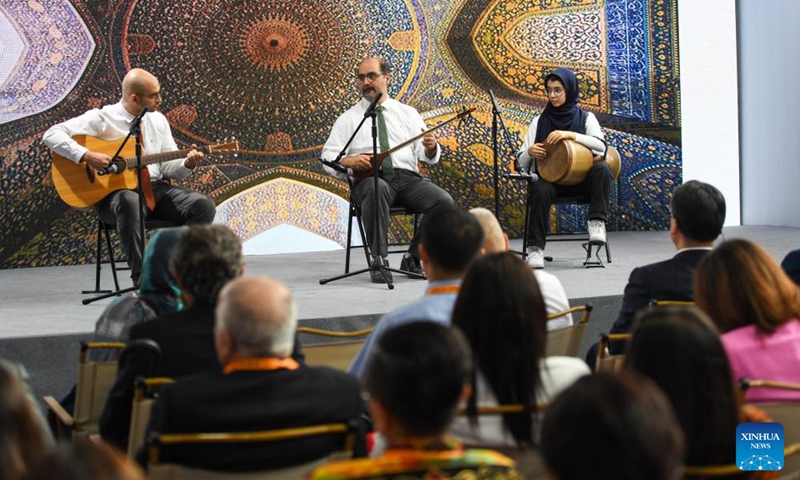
[
  {"x": 138, "y": 119},
  {"x": 109, "y": 170},
  {"x": 494, "y": 102},
  {"x": 336, "y": 166},
  {"x": 372, "y": 105}
]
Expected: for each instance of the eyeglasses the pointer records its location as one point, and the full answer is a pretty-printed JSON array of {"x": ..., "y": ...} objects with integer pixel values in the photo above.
[
  {"x": 554, "y": 92},
  {"x": 372, "y": 76}
]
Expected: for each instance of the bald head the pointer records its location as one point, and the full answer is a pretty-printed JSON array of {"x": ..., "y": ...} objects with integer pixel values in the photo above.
[
  {"x": 140, "y": 89},
  {"x": 494, "y": 239},
  {"x": 259, "y": 315}
]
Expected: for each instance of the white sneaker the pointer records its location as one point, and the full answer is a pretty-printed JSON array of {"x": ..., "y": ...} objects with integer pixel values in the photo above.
[
  {"x": 535, "y": 257},
  {"x": 597, "y": 231}
]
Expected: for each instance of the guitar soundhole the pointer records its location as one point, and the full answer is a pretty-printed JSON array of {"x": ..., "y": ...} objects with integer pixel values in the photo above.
[{"x": 89, "y": 173}]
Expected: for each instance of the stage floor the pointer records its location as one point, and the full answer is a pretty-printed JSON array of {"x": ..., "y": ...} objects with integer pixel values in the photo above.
[
  {"x": 42, "y": 318},
  {"x": 47, "y": 301}
]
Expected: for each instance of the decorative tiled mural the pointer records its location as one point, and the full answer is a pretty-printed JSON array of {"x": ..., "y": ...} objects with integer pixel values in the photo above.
[{"x": 275, "y": 74}]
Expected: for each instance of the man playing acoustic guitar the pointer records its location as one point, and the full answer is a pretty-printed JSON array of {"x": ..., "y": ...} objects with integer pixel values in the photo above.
[
  {"x": 400, "y": 182},
  {"x": 562, "y": 119},
  {"x": 164, "y": 201}
]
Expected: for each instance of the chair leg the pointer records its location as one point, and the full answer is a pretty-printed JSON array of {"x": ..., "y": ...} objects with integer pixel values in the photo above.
[
  {"x": 527, "y": 220},
  {"x": 97, "y": 260},
  {"x": 367, "y": 253}
]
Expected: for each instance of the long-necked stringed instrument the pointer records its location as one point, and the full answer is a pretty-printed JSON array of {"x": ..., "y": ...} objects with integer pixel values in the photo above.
[
  {"x": 377, "y": 161},
  {"x": 80, "y": 186}
]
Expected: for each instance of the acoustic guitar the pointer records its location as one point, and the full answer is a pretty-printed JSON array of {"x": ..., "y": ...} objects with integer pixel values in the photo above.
[
  {"x": 377, "y": 161},
  {"x": 80, "y": 186},
  {"x": 568, "y": 162}
]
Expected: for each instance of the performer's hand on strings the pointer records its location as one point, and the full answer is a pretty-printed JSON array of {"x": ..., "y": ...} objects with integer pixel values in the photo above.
[
  {"x": 96, "y": 160},
  {"x": 193, "y": 157},
  {"x": 429, "y": 142},
  {"x": 358, "y": 162}
]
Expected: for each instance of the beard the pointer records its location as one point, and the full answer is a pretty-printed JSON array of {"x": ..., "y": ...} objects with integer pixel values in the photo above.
[{"x": 369, "y": 93}]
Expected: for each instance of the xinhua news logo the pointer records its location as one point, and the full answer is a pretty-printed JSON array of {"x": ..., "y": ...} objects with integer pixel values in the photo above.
[{"x": 759, "y": 446}]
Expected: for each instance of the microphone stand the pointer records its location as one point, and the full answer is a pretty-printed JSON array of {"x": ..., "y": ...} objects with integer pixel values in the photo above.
[
  {"x": 497, "y": 117},
  {"x": 376, "y": 262},
  {"x": 136, "y": 132}
]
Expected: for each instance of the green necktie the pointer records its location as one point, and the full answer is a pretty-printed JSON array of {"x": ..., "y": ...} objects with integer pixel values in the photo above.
[{"x": 383, "y": 140}]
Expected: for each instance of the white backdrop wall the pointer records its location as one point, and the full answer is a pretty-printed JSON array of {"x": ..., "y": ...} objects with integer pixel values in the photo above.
[
  {"x": 709, "y": 96},
  {"x": 769, "y": 75}
]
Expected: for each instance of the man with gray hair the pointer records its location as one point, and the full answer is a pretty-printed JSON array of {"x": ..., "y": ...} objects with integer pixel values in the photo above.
[{"x": 259, "y": 388}]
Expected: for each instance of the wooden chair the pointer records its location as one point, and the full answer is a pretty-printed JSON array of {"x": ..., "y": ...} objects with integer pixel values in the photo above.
[
  {"x": 671, "y": 303},
  {"x": 789, "y": 452},
  {"x": 567, "y": 341},
  {"x": 94, "y": 382},
  {"x": 166, "y": 471},
  {"x": 337, "y": 355},
  {"x": 605, "y": 361},
  {"x": 143, "y": 400}
]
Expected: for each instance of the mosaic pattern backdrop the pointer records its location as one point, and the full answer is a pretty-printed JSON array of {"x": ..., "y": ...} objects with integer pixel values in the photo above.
[{"x": 275, "y": 74}]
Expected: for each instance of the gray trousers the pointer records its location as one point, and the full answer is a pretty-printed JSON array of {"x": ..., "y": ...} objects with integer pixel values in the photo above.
[
  {"x": 173, "y": 203},
  {"x": 407, "y": 188}
]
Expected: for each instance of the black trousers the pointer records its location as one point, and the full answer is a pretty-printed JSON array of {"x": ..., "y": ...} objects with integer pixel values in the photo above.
[
  {"x": 407, "y": 188},
  {"x": 173, "y": 203},
  {"x": 597, "y": 186}
]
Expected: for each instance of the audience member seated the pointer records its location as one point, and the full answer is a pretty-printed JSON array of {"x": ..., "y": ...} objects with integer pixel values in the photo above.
[
  {"x": 679, "y": 349},
  {"x": 85, "y": 459},
  {"x": 756, "y": 306},
  {"x": 451, "y": 239},
  {"x": 159, "y": 295},
  {"x": 416, "y": 377},
  {"x": 697, "y": 215},
  {"x": 501, "y": 311},
  {"x": 791, "y": 265},
  {"x": 612, "y": 426},
  {"x": 204, "y": 259},
  {"x": 555, "y": 297},
  {"x": 24, "y": 437},
  {"x": 260, "y": 388}
]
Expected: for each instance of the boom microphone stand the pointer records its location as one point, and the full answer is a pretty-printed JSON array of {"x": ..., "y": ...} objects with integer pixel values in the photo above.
[
  {"x": 497, "y": 117},
  {"x": 116, "y": 167},
  {"x": 376, "y": 262}
]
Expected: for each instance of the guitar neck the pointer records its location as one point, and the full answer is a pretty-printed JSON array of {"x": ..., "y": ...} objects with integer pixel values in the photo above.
[{"x": 130, "y": 162}]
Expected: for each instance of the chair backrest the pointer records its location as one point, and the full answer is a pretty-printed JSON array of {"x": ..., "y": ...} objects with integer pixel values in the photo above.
[
  {"x": 668, "y": 303},
  {"x": 336, "y": 355},
  {"x": 179, "y": 472},
  {"x": 93, "y": 385},
  {"x": 346, "y": 430},
  {"x": 605, "y": 361},
  {"x": 141, "y": 409},
  {"x": 710, "y": 471},
  {"x": 745, "y": 384},
  {"x": 567, "y": 341}
]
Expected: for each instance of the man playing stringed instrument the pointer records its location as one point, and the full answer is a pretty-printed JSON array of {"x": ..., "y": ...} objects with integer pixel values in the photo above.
[
  {"x": 164, "y": 201},
  {"x": 562, "y": 119},
  {"x": 400, "y": 182}
]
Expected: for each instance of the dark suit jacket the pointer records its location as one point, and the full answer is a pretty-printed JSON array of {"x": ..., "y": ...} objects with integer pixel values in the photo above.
[
  {"x": 186, "y": 339},
  {"x": 671, "y": 279},
  {"x": 252, "y": 401}
]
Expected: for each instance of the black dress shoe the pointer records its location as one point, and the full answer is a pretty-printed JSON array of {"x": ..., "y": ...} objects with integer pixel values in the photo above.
[
  {"x": 412, "y": 264},
  {"x": 377, "y": 276}
]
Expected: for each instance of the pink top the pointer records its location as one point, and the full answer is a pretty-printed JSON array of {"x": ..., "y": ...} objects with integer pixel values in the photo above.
[{"x": 759, "y": 356}]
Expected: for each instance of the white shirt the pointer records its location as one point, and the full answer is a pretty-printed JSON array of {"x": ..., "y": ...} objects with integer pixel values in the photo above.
[
  {"x": 555, "y": 299},
  {"x": 402, "y": 124},
  {"x": 591, "y": 140},
  {"x": 113, "y": 122}
]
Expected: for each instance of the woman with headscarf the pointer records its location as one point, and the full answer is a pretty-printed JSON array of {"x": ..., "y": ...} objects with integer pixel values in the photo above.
[
  {"x": 159, "y": 294},
  {"x": 562, "y": 119}
]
